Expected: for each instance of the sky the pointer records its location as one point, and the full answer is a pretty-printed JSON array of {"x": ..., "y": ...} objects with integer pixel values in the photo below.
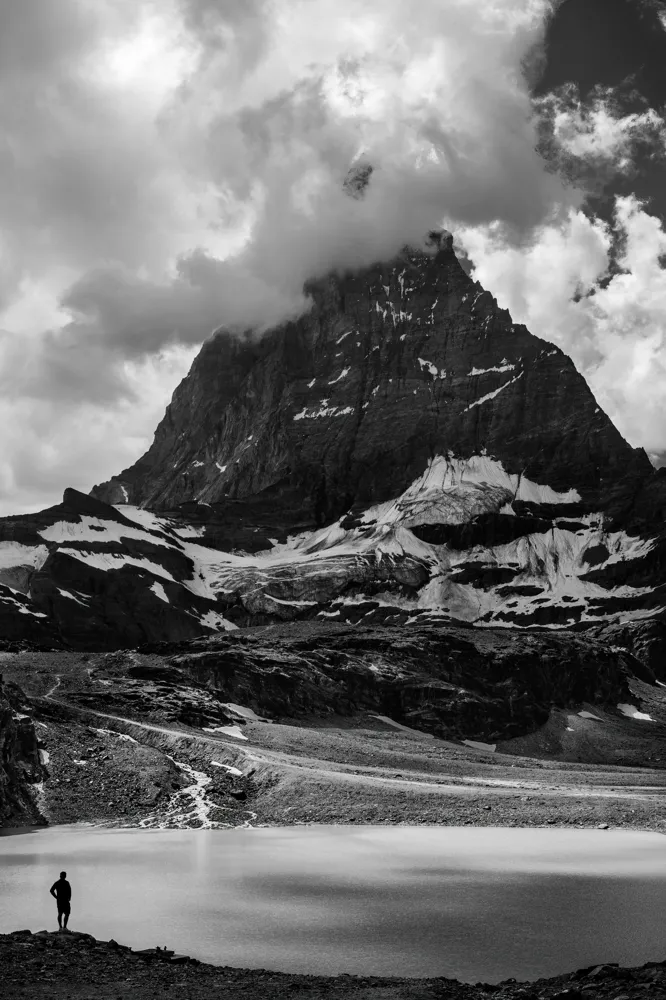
[{"x": 169, "y": 167}]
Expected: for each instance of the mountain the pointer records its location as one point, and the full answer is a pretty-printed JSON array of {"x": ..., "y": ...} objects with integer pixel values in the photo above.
[
  {"x": 344, "y": 408},
  {"x": 402, "y": 452}
]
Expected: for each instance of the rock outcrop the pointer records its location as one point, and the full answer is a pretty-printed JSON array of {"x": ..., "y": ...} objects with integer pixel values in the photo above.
[
  {"x": 31, "y": 961},
  {"x": 452, "y": 682},
  {"x": 21, "y": 768}
]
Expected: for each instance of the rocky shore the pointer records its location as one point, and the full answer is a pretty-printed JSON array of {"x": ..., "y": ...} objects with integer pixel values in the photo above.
[{"x": 73, "y": 966}]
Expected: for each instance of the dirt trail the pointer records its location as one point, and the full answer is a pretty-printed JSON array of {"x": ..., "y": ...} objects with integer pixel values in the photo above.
[{"x": 351, "y": 774}]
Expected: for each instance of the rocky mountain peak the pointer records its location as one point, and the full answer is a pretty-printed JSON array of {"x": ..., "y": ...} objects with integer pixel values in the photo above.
[
  {"x": 391, "y": 366},
  {"x": 401, "y": 452}
]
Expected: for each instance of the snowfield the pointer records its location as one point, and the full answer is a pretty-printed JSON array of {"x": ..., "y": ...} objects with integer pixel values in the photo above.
[{"x": 505, "y": 584}]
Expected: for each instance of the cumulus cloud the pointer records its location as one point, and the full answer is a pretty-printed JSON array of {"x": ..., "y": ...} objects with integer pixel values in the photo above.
[
  {"x": 172, "y": 167},
  {"x": 596, "y": 287},
  {"x": 590, "y": 141},
  {"x": 169, "y": 168},
  {"x": 46, "y": 447},
  {"x": 608, "y": 314}
]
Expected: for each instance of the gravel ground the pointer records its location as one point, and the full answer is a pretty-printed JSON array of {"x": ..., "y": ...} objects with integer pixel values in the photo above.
[
  {"x": 120, "y": 750},
  {"x": 76, "y": 967}
]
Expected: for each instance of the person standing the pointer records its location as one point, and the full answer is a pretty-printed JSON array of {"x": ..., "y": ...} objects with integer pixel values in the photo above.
[{"x": 62, "y": 893}]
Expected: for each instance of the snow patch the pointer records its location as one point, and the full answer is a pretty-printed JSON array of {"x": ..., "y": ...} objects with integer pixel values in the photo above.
[
  {"x": 115, "y": 561},
  {"x": 160, "y": 592},
  {"x": 324, "y": 411},
  {"x": 588, "y": 715},
  {"x": 432, "y": 368},
  {"x": 454, "y": 490},
  {"x": 221, "y": 468},
  {"x": 504, "y": 366},
  {"x": 343, "y": 374},
  {"x": 148, "y": 520},
  {"x": 231, "y": 770},
  {"x": 226, "y": 731},
  {"x": 73, "y": 597},
  {"x": 189, "y": 531},
  {"x": 213, "y": 619},
  {"x": 491, "y": 395},
  {"x": 95, "y": 529},
  {"x": 245, "y": 713},
  {"x": 633, "y": 713},
  {"x": 14, "y": 554},
  {"x": 120, "y": 736}
]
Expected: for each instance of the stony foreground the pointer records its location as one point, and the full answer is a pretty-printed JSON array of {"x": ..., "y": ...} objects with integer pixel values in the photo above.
[{"x": 72, "y": 965}]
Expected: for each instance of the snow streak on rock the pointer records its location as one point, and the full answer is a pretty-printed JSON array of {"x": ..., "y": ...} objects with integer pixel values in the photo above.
[{"x": 495, "y": 392}]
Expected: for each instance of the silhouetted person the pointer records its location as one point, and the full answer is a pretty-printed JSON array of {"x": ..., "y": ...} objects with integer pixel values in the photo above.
[{"x": 62, "y": 893}]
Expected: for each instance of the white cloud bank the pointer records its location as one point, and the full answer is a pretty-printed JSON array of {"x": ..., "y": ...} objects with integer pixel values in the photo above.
[
  {"x": 171, "y": 167},
  {"x": 596, "y": 290}
]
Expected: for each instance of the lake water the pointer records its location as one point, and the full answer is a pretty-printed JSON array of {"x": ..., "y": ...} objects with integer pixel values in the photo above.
[{"x": 474, "y": 904}]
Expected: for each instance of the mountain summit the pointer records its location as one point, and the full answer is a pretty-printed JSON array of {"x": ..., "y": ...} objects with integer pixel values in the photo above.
[{"x": 345, "y": 407}]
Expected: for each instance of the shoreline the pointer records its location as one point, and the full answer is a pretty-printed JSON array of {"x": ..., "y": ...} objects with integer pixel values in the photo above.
[
  {"x": 33, "y": 964},
  {"x": 85, "y": 825}
]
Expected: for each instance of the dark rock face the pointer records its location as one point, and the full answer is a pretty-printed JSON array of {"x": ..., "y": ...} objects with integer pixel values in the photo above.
[
  {"x": 644, "y": 638},
  {"x": 391, "y": 367},
  {"x": 451, "y": 682},
  {"x": 87, "y": 577},
  {"x": 20, "y": 765}
]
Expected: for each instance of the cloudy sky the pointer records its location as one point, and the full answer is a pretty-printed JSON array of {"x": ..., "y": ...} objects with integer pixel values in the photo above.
[{"x": 172, "y": 166}]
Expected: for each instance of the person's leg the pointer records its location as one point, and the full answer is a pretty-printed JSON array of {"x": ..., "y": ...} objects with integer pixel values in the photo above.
[
  {"x": 59, "y": 919},
  {"x": 66, "y": 917}
]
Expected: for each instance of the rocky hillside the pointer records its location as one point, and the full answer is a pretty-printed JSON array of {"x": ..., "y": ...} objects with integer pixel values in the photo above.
[
  {"x": 452, "y": 682},
  {"x": 402, "y": 452},
  {"x": 321, "y": 722},
  {"x": 21, "y": 768}
]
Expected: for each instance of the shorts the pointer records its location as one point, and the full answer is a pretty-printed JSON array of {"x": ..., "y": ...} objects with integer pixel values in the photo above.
[{"x": 63, "y": 909}]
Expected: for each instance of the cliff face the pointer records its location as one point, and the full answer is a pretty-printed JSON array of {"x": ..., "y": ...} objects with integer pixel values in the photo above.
[
  {"x": 345, "y": 407},
  {"x": 21, "y": 768}
]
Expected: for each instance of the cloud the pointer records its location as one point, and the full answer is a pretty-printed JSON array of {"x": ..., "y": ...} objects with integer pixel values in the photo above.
[
  {"x": 596, "y": 287},
  {"x": 591, "y": 141},
  {"x": 170, "y": 168},
  {"x": 76, "y": 442},
  {"x": 608, "y": 315}
]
